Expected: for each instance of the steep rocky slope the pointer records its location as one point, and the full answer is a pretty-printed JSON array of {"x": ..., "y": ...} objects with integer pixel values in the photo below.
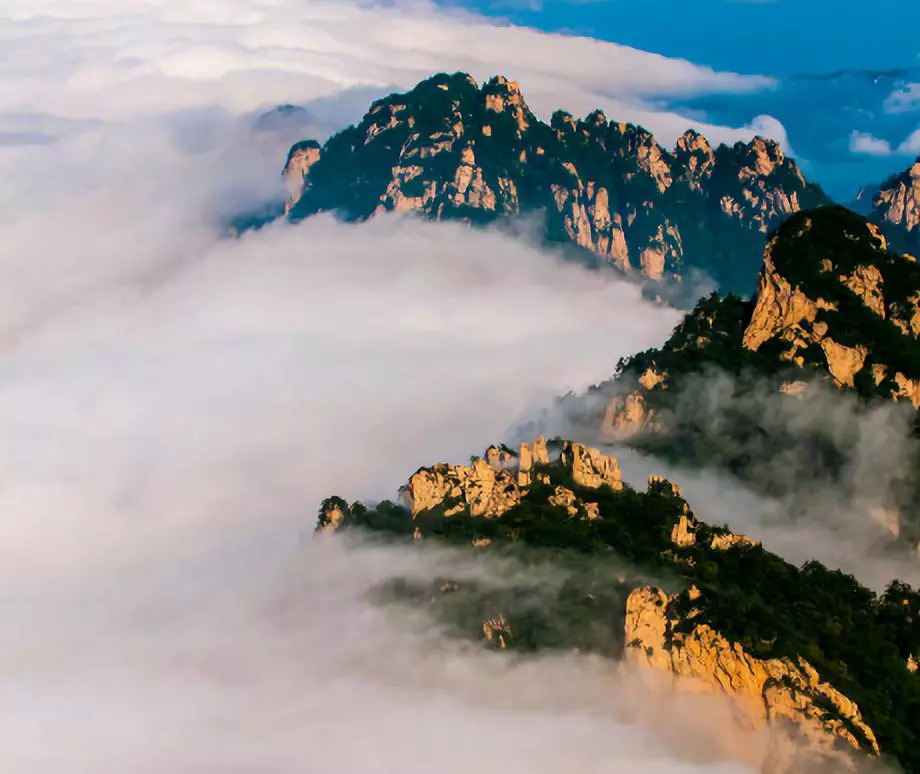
[
  {"x": 452, "y": 149},
  {"x": 895, "y": 205},
  {"x": 807, "y": 650},
  {"x": 831, "y": 301},
  {"x": 749, "y": 386}
]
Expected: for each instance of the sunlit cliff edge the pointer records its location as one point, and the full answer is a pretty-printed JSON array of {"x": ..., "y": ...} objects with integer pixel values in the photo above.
[
  {"x": 450, "y": 148},
  {"x": 806, "y": 650}
]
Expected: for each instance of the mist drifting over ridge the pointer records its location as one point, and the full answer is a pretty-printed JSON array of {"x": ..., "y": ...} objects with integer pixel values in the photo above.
[{"x": 173, "y": 406}]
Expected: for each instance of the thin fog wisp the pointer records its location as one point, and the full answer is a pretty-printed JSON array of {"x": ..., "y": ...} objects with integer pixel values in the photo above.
[{"x": 819, "y": 475}]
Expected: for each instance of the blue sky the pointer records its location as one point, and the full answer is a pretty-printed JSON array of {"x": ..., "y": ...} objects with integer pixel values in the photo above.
[
  {"x": 779, "y": 37},
  {"x": 785, "y": 39}
]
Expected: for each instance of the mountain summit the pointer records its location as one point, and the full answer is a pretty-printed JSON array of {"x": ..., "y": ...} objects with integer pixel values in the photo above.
[
  {"x": 896, "y": 204},
  {"x": 785, "y": 385},
  {"x": 449, "y": 148}
]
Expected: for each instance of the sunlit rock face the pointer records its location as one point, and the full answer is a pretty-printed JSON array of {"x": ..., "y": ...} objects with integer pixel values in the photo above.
[
  {"x": 741, "y": 382},
  {"x": 776, "y": 639},
  {"x": 300, "y": 158},
  {"x": 450, "y": 148},
  {"x": 897, "y": 202},
  {"x": 492, "y": 485},
  {"x": 831, "y": 294},
  {"x": 833, "y": 302},
  {"x": 777, "y": 690}
]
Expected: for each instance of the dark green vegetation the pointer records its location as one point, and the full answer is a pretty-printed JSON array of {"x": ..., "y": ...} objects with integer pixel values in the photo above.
[
  {"x": 811, "y": 251},
  {"x": 858, "y": 641},
  {"x": 668, "y": 201},
  {"x": 722, "y": 404},
  {"x": 810, "y": 241}
]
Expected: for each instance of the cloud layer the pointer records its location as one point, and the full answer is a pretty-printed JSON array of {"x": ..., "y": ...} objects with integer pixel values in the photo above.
[
  {"x": 149, "y": 57},
  {"x": 248, "y": 666},
  {"x": 173, "y": 405}
]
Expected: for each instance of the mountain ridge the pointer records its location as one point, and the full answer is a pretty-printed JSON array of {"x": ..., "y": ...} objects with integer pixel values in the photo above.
[
  {"x": 450, "y": 148},
  {"x": 777, "y": 390},
  {"x": 895, "y": 205},
  {"x": 807, "y": 650}
]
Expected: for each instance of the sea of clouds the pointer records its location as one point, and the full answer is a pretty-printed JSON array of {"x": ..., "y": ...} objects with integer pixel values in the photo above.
[{"x": 174, "y": 404}]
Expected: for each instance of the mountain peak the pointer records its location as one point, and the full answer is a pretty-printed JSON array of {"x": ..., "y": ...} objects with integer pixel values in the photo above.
[
  {"x": 896, "y": 205},
  {"x": 831, "y": 291},
  {"x": 449, "y": 148}
]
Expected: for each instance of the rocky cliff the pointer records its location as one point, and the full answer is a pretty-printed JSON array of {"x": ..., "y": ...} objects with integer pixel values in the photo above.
[
  {"x": 452, "y": 149},
  {"x": 895, "y": 205},
  {"x": 782, "y": 691},
  {"x": 831, "y": 294},
  {"x": 492, "y": 485},
  {"x": 832, "y": 303},
  {"x": 806, "y": 650},
  {"x": 750, "y": 387}
]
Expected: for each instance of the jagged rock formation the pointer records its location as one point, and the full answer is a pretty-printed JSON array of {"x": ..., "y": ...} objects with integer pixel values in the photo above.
[
  {"x": 332, "y": 515},
  {"x": 834, "y": 307},
  {"x": 589, "y": 467},
  {"x": 806, "y": 649},
  {"x": 837, "y": 288},
  {"x": 489, "y": 487},
  {"x": 300, "y": 158},
  {"x": 452, "y": 149},
  {"x": 766, "y": 690},
  {"x": 896, "y": 204},
  {"x": 832, "y": 300}
]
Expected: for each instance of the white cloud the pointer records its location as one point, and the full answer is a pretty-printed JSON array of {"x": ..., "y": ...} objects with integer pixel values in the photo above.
[
  {"x": 340, "y": 357},
  {"x": 768, "y": 126},
  {"x": 246, "y": 666},
  {"x": 172, "y": 408},
  {"x": 904, "y": 99},
  {"x": 150, "y": 57},
  {"x": 173, "y": 405},
  {"x": 861, "y": 142},
  {"x": 911, "y": 146}
]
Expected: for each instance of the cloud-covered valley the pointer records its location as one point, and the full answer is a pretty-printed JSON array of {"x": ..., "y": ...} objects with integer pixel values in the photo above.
[{"x": 174, "y": 403}]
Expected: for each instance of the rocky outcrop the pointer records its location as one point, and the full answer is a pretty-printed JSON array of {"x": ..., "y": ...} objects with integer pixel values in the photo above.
[
  {"x": 479, "y": 489},
  {"x": 757, "y": 200},
  {"x": 300, "y": 158},
  {"x": 697, "y": 160},
  {"x": 779, "y": 691},
  {"x": 898, "y": 199},
  {"x": 489, "y": 487},
  {"x": 589, "y": 467},
  {"x": 781, "y": 311},
  {"x": 724, "y": 541},
  {"x": 843, "y": 362},
  {"x": 791, "y": 646},
  {"x": 333, "y": 515},
  {"x": 840, "y": 300},
  {"x": 530, "y": 458},
  {"x": 832, "y": 302},
  {"x": 626, "y": 415},
  {"x": 450, "y": 148},
  {"x": 685, "y": 531},
  {"x": 573, "y": 504},
  {"x": 497, "y": 631}
]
